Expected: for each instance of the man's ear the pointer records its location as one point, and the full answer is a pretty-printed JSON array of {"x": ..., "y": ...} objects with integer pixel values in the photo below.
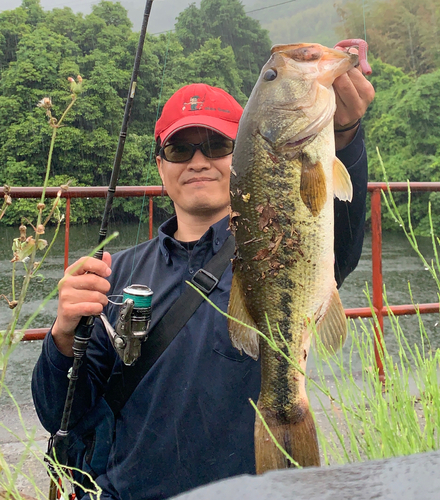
[{"x": 159, "y": 161}]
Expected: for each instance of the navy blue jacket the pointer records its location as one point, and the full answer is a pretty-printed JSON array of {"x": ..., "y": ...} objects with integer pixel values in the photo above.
[{"x": 189, "y": 421}]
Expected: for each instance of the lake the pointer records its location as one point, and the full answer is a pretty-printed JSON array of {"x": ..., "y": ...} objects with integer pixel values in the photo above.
[{"x": 400, "y": 266}]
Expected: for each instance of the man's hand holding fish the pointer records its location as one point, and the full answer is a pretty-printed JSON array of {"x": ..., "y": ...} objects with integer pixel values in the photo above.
[{"x": 354, "y": 93}]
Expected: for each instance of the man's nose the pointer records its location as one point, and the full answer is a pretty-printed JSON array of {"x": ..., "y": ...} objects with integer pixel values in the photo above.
[{"x": 199, "y": 161}]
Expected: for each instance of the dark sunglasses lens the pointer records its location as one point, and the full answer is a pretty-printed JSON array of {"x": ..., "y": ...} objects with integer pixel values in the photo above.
[
  {"x": 177, "y": 153},
  {"x": 184, "y": 151},
  {"x": 216, "y": 148}
]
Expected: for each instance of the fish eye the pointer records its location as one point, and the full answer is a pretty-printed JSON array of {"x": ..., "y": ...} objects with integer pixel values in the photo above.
[{"x": 270, "y": 75}]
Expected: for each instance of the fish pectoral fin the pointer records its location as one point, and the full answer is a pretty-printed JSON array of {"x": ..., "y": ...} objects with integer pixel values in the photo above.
[
  {"x": 313, "y": 186},
  {"x": 331, "y": 323},
  {"x": 242, "y": 336},
  {"x": 342, "y": 186}
]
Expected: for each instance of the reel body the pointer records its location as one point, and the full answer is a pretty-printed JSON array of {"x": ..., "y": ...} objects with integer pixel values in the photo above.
[{"x": 133, "y": 323}]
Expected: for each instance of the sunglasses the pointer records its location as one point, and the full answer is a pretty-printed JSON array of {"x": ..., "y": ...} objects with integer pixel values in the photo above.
[{"x": 180, "y": 152}]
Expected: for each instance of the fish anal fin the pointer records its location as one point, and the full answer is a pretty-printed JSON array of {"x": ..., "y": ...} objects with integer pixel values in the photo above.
[
  {"x": 242, "y": 338},
  {"x": 297, "y": 437},
  {"x": 331, "y": 322},
  {"x": 313, "y": 186},
  {"x": 343, "y": 189}
]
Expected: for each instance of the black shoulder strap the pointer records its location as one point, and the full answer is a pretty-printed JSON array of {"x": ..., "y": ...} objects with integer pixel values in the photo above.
[{"x": 122, "y": 384}]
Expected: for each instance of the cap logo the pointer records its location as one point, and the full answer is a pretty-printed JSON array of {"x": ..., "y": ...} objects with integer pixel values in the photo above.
[{"x": 195, "y": 105}]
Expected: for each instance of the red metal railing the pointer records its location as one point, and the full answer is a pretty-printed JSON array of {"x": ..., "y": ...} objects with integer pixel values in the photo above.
[
  {"x": 82, "y": 192},
  {"x": 374, "y": 188}
]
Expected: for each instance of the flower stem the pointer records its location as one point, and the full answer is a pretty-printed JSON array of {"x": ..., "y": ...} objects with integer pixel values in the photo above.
[
  {"x": 13, "y": 279},
  {"x": 49, "y": 162}
]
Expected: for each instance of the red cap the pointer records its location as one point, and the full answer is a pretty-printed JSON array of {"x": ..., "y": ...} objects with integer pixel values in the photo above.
[{"x": 199, "y": 105}]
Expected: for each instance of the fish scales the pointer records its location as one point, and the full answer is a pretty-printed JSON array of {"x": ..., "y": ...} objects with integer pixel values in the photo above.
[
  {"x": 282, "y": 191},
  {"x": 290, "y": 281}
]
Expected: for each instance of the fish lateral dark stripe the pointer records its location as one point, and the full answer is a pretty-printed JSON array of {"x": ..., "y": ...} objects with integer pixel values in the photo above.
[
  {"x": 286, "y": 301},
  {"x": 281, "y": 390}
]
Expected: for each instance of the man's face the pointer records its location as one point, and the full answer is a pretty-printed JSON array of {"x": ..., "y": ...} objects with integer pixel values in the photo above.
[{"x": 200, "y": 186}]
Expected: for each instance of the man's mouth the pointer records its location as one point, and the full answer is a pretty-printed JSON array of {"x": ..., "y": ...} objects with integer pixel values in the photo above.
[{"x": 199, "y": 179}]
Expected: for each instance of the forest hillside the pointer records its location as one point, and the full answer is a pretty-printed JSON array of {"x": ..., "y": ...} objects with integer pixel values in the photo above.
[{"x": 214, "y": 41}]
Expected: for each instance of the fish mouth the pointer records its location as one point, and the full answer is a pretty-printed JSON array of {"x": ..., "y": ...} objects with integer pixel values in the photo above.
[
  {"x": 292, "y": 148},
  {"x": 312, "y": 130},
  {"x": 300, "y": 142}
]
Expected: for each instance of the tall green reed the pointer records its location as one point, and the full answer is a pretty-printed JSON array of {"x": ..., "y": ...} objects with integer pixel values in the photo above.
[
  {"x": 25, "y": 250},
  {"x": 371, "y": 420}
]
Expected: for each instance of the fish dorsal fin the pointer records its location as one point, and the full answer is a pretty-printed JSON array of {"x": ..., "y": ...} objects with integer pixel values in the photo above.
[
  {"x": 313, "y": 186},
  {"x": 331, "y": 323},
  {"x": 242, "y": 338},
  {"x": 343, "y": 189}
]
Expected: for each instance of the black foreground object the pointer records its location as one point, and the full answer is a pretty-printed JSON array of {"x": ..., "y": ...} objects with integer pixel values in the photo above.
[{"x": 414, "y": 477}]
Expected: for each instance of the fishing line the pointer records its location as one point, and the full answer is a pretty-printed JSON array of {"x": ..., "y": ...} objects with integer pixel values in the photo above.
[
  {"x": 269, "y": 6},
  {"x": 365, "y": 22},
  {"x": 246, "y": 12},
  {"x": 153, "y": 144},
  {"x": 113, "y": 302}
]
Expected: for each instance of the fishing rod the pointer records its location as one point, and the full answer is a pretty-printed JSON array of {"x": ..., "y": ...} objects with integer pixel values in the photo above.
[{"x": 58, "y": 445}]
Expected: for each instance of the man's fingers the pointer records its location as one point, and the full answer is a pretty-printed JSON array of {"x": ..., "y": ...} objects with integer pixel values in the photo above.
[
  {"x": 74, "y": 305},
  {"x": 107, "y": 258},
  {"x": 354, "y": 93},
  {"x": 91, "y": 265},
  {"x": 89, "y": 282},
  {"x": 345, "y": 89},
  {"x": 82, "y": 292},
  {"x": 86, "y": 308},
  {"x": 69, "y": 315}
]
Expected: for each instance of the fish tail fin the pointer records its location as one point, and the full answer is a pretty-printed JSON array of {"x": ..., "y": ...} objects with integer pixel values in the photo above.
[{"x": 298, "y": 438}]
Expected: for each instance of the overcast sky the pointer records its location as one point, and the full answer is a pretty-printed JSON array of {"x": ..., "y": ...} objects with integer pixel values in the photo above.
[
  {"x": 161, "y": 18},
  {"x": 77, "y": 5}
]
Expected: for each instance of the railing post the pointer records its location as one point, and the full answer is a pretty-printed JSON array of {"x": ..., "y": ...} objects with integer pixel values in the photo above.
[
  {"x": 376, "y": 260},
  {"x": 67, "y": 234},
  {"x": 150, "y": 218}
]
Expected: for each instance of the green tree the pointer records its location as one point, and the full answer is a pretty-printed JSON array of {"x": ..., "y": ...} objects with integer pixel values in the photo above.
[
  {"x": 403, "y": 33},
  {"x": 403, "y": 122},
  {"x": 65, "y": 22},
  {"x": 101, "y": 47},
  {"x": 35, "y": 14},
  {"x": 112, "y": 13},
  {"x": 12, "y": 28},
  {"x": 215, "y": 66},
  {"x": 226, "y": 20}
]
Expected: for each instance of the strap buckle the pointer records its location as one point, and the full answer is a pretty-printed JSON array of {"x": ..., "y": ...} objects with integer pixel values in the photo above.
[{"x": 204, "y": 281}]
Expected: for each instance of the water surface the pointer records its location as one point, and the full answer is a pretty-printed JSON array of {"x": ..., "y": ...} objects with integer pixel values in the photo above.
[{"x": 400, "y": 266}]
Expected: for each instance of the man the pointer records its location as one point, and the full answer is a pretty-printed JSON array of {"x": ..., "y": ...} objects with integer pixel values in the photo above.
[{"x": 189, "y": 421}]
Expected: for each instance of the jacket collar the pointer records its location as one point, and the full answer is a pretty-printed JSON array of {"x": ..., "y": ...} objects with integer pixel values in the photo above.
[{"x": 216, "y": 235}]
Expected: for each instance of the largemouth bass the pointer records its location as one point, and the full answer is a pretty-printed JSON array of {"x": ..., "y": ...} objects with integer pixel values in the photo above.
[{"x": 285, "y": 176}]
